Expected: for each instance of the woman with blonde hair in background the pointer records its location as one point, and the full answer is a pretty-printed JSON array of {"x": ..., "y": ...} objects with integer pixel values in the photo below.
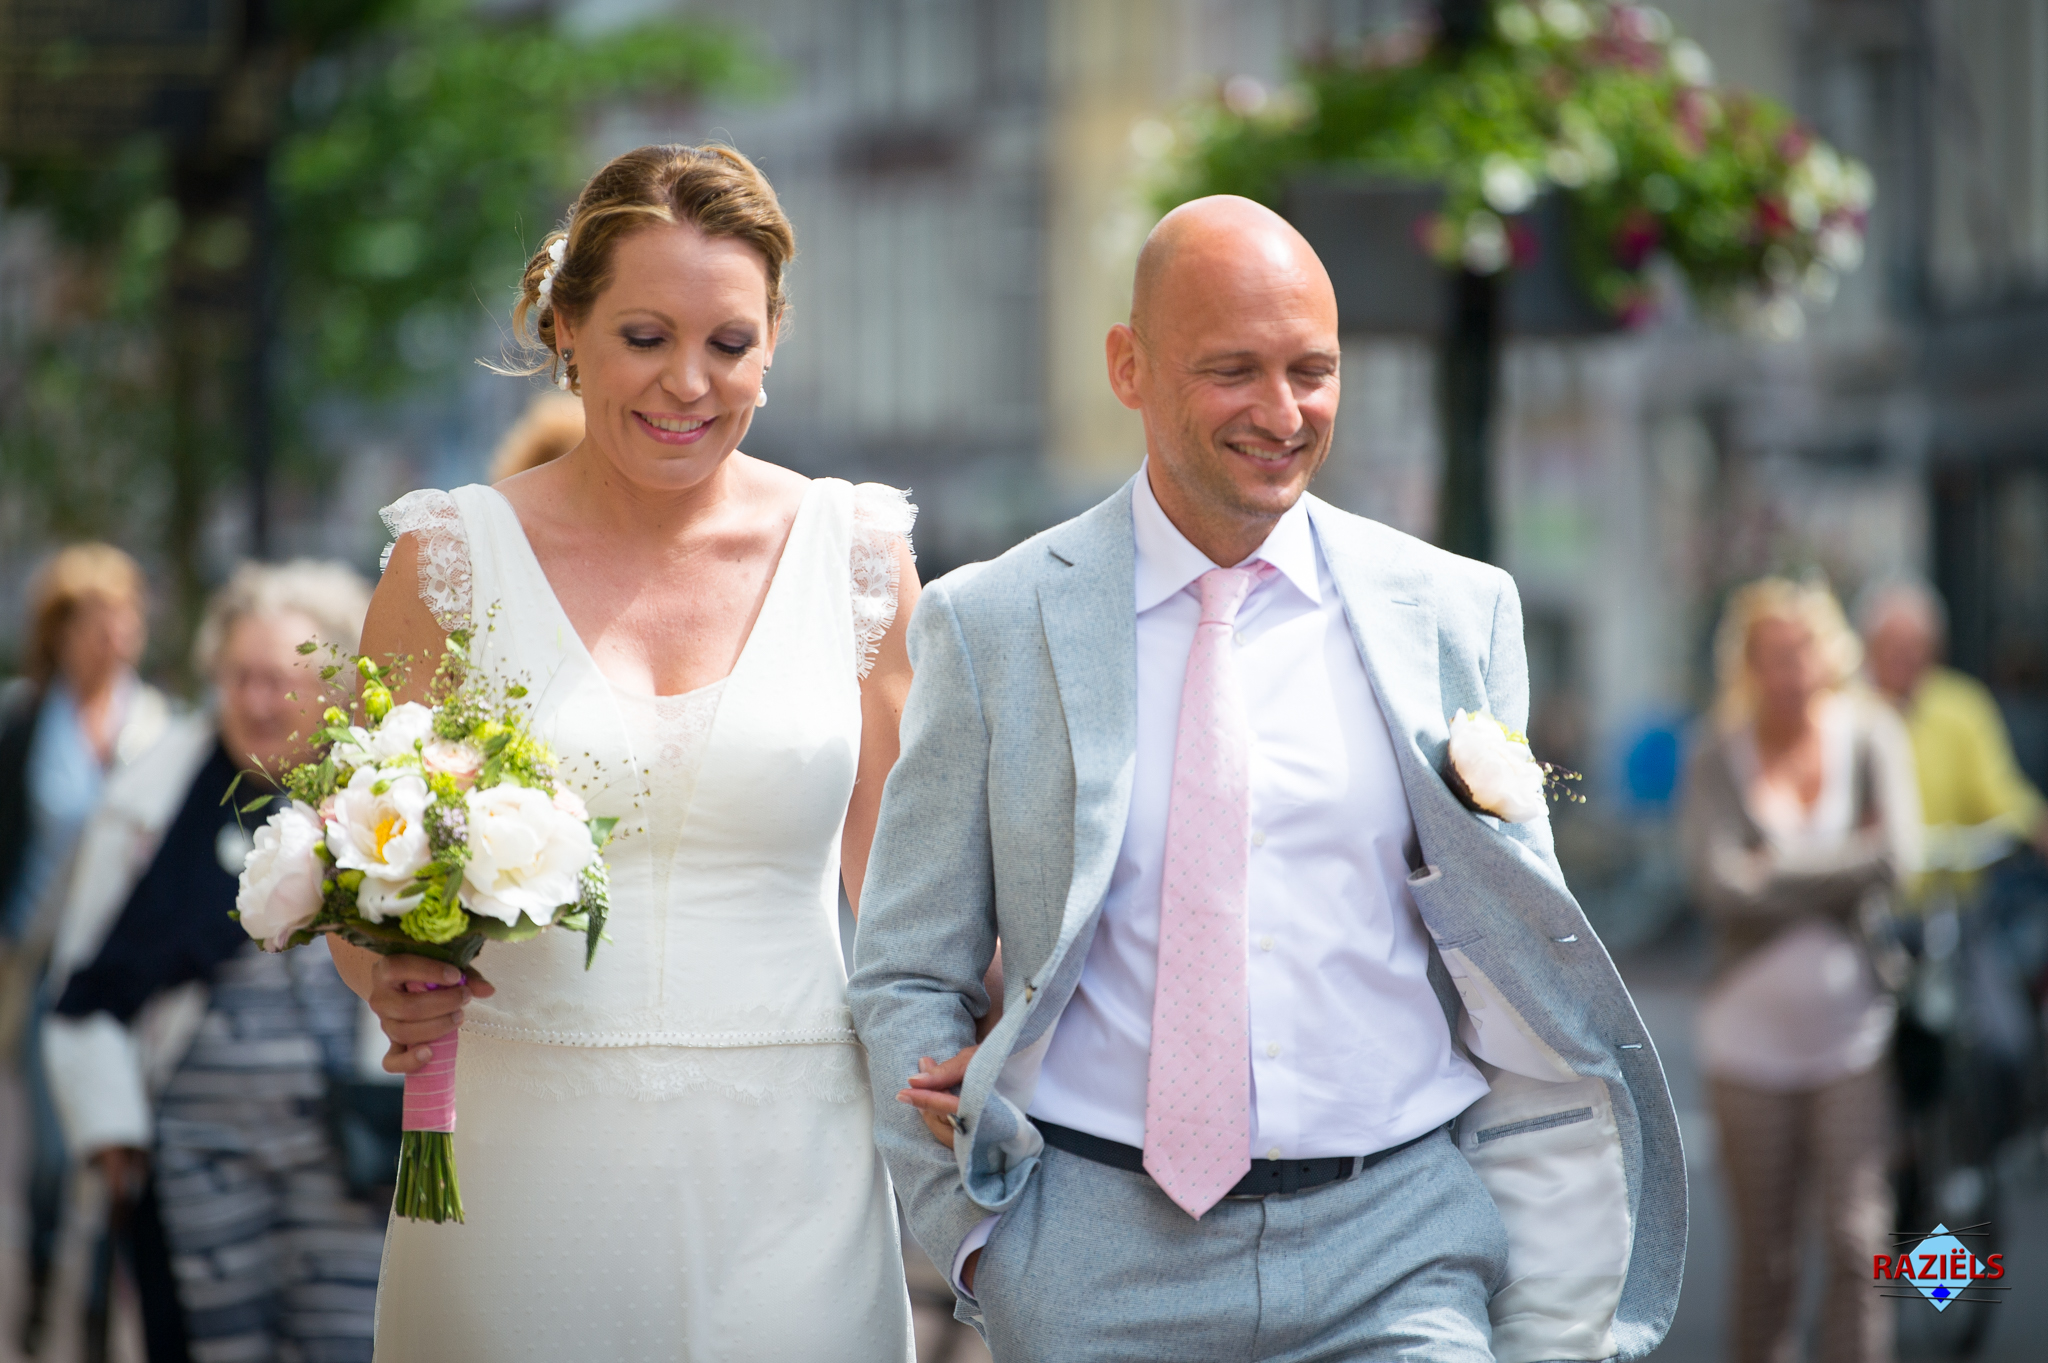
[
  {"x": 192, "y": 1069},
  {"x": 79, "y": 715},
  {"x": 551, "y": 426},
  {"x": 1799, "y": 817},
  {"x": 668, "y": 1155}
]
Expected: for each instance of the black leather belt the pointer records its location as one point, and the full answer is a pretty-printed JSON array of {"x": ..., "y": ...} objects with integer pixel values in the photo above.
[{"x": 1267, "y": 1176}]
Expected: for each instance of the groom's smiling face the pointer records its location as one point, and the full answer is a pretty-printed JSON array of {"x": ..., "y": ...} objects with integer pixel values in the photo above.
[{"x": 1232, "y": 357}]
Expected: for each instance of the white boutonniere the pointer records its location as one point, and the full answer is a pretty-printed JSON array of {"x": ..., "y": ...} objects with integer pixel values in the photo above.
[{"x": 1491, "y": 769}]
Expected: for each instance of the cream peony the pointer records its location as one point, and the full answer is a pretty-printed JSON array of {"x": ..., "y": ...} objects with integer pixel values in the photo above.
[
  {"x": 383, "y": 834},
  {"x": 1493, "y": 772},
  {"x": 400, "y": 734},
  {"x": 462, "y": 761},
  {"x": 280, "y": 883},
  {"x": 525, "y": 854}
]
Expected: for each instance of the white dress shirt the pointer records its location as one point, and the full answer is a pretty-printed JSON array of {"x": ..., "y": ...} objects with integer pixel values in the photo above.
[{"x": 1350, "y": 1052}]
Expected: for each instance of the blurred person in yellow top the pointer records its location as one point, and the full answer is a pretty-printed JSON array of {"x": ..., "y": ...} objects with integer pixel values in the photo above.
[{"x": 1968, "y": 775}]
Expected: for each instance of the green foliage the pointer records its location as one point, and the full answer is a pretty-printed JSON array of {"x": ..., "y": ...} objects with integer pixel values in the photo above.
[
  {"x": 421, "y": 147},
  {"x": 1601, "y": 102},
  {"x": 423, "y": 161},
  {"x": 439, "y": 917}
]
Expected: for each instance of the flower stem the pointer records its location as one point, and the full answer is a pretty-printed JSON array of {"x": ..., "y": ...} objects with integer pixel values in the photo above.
[{"x": 427, "y": 1189}]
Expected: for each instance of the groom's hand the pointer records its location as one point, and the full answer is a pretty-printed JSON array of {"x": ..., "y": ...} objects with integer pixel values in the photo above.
[
  {"x": 935, "y": 1092},
  {"x": 420, "y": 1001}
]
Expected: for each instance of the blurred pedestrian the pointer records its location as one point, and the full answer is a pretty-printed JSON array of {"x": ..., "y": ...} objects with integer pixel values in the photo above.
[
  {"x": 1968, "y": 775},
  {"x": 80, "y": 713},
  {"x": 1799, "y": 817},
  {"x": 189, "y": 1067},
  {"x": 551, "y": 427}
]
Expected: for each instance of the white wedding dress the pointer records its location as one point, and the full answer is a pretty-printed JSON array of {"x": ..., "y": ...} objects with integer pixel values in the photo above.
[{"x": 669, "y": 1157}]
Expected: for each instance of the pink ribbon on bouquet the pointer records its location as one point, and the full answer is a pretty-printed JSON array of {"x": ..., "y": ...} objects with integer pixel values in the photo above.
[{"x": 430, "y": 1090}]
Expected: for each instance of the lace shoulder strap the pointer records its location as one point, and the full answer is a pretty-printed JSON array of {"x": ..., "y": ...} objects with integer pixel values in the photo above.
[
  {"x": 433, "y": 519},
  {"x": 882, "y": 518}
]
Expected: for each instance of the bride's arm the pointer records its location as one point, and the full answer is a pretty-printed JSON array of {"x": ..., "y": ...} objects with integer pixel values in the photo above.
[
  {"x": 881, "y": 712},
  {"x": 416, "y": 999},
  {"x": 881, "y": 707}
]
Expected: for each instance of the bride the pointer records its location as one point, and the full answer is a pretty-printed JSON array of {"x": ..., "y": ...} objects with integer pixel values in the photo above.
[{"x": 669, "y": 1156}]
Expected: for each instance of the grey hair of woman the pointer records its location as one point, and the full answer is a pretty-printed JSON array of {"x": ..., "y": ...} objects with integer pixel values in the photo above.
[{"x": 333, "y": 596}]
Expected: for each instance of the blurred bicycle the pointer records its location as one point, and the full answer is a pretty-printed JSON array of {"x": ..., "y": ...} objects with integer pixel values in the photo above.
[{"x": 1969, "y": 1052}]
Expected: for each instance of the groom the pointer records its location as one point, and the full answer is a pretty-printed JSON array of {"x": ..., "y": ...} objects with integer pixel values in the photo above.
[{"x": 1298, "y": 1058}]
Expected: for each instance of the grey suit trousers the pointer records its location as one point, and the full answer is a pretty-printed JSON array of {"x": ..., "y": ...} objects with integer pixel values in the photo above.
[{"x": 1093, "y": 1263}]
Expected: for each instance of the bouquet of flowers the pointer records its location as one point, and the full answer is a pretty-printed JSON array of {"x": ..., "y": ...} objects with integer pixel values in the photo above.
[{"x": 428, "y": 830}]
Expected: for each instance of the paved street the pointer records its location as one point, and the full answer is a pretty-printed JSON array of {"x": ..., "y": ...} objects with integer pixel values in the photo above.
[{"x": 1667, "y": 984}]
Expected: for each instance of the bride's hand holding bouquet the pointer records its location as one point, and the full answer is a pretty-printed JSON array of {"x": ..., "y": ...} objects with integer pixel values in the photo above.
[{"x": 421, "y": 834}]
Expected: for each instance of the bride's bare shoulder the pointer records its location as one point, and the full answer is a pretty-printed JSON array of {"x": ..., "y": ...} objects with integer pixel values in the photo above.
[{"x": 776, "y": 490}]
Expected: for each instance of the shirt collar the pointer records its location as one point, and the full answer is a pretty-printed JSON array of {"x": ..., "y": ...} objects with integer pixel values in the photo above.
[{"x": 1167, "y": 562}]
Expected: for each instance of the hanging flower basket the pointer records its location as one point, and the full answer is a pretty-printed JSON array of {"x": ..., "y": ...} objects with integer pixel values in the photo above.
[{"x": 1604, "y": 104}]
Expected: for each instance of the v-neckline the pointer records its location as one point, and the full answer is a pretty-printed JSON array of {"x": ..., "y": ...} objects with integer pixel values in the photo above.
[{"x": 796, "y": 525}]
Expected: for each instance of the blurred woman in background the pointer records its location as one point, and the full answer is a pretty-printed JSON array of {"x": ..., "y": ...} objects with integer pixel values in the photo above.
[
  {"x": 81, "y": 713},
  {"x": 191, "y": 1068},
  {"x": 1799, "y": 817}
]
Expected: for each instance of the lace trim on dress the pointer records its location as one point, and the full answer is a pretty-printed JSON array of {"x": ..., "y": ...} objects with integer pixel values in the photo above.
[
  {"x": 432, "y": 517},
  {"x": 882, "y": 519},
  {"x": 828, "y": 1073}
]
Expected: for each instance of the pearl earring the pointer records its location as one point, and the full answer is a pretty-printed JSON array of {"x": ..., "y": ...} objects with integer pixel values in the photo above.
[
  {"x": 562, "y": 380},
  {"x": 761, "y": 396}
]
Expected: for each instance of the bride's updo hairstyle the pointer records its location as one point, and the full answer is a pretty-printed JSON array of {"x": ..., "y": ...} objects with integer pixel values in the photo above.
[{"x": 710, "y": 187}]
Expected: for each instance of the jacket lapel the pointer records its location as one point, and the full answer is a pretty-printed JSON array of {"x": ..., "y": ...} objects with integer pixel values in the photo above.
[
  {"x": 1085, "y": 607},
  {"x": 1395, "y": 628}
]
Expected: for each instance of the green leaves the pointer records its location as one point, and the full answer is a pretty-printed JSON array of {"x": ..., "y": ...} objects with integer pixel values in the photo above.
[
  {"x": 498, "y": 931},
  {"x": 423, "y": 147},
  {"x": 424, "y": 159}
]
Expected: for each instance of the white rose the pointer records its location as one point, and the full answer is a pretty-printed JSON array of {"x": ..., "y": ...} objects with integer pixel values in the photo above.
[
  {"x": 524, "y": 854},
  {"x": 399, "y": 734},
  {"x": 280, "y": 885},
  {"x": 570, "y": 803},
  {"x": 383, "y": 834},
  {"x": 462, "y": 761},
  {"x": 1499, "y": 775}
]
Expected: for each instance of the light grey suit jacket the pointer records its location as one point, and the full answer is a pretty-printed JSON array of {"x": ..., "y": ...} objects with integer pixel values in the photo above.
[{"x": 1004, "y": 816}]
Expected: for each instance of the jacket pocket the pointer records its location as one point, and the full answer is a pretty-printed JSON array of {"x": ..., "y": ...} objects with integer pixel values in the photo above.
[{"x": 1550, "y": 1156}]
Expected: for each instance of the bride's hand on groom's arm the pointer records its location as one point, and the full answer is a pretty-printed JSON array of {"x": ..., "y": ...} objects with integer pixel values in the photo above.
[
  {"x": 935, "y": 1089},
  {"x": 935, "y": 1092}
]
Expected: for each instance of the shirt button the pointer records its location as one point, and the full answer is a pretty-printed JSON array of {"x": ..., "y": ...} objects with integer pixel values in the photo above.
[
  {"x": 1272, "y": 1050},
  {"x": 1274, "y": 1153},
  {"x": 1266, "y": 942},
  {"x": 1258, "y": 839}
]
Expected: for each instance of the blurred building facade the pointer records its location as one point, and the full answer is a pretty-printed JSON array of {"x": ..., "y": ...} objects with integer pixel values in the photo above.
[{"x": 966, "y": 181}]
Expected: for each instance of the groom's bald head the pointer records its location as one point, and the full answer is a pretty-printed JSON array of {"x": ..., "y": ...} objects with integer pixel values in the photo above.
[
  {"x": 1228, "y": 241},
  {"x": 1231, "y": 354}
]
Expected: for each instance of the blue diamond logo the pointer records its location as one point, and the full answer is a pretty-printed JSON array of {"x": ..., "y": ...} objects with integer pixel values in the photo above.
[{"x": 1943, "y": 1282}]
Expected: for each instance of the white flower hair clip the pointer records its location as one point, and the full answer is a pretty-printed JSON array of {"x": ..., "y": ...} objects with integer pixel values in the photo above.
[
  {"x": 556, "y": 251},
  {"x": 1492, "y": 771}
]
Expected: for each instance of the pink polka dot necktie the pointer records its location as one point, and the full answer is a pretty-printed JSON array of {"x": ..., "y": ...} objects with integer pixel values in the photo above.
[{"x": 1198, "y": 1103}]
